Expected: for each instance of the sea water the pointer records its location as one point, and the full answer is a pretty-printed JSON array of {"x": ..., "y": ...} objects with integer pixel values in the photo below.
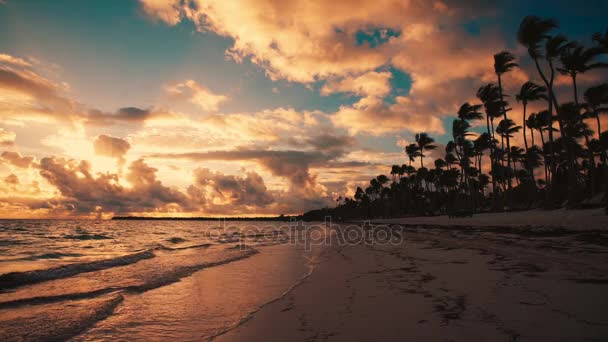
[{"x": 149, "y": 279}]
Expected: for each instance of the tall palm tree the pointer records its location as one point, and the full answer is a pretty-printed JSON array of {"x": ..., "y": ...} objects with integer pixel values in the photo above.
[
  {"x": 529, "y": 92},
  {"x": 490, "y": 98},
  {"x": 577, "y": 60},
  {"x": 532, "y": 124},
  {"x": 595, "y": 97},
  {"x": 532, "y": 32},
  {"x": 425, "y": 142},
  {"x": 412, "y": 152},
  {"x": 503, "y": 63}
]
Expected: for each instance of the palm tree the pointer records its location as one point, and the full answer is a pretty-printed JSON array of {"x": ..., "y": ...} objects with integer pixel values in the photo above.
[
  {"x": 425, "y": 142},
  {"x": 529, "y": 92},
  {"x": 577, "y": 60},
  {"x": 489, "y": 96},
  {"x": 469, "y": 112},
  {"x": 532, "y": 124},
  {"x": 532, "y": 32},
  {"x": 503, "y": 63},
  {"x": 395, "y": 170},
  {"x": 601, "y": 39},
  {"x": 595, "y": 97},
  {"x": 412, "y": 152}
]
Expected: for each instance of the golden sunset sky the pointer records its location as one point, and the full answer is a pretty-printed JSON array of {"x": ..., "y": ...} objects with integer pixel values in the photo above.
[{"x": 240, "y": 107}]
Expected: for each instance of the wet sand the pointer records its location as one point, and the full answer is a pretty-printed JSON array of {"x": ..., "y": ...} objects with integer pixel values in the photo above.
[{"x": 445, "y": 284}]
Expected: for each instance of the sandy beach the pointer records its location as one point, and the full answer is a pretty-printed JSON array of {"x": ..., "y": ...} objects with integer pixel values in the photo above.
[{"x": 451, "y": 285}]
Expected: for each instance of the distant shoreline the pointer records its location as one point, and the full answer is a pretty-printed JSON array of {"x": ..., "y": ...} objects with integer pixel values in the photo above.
[{"x": 272, "y": 218}]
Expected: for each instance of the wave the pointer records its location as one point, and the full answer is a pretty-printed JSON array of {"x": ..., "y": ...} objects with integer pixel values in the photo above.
[
  {"x": 16, "y": 279},
  {"x": 154, "y": 278},
  {"x": 185, "y": 271},
  {"x": 51, "y": 255},
  {"x": 87, "y": 236},
  {"x": 49, "y": 323},
  {"x": 165, "y": 248}
]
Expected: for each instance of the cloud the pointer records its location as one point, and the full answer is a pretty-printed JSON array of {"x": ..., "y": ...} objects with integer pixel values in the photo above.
[
  {"x": 11, "y": 179},
  {"x": 292, "y": 165},
  {"x": 83, "y": 192},
  {"x": 8, "y": 59},
  {"x": 26, "y": 95},
  {"x": 132, "y": 115},
  {"x": 112, "y": 147},
  {"x": 195, "y": 93},
  {"x": 17, "y": 160},
  {"x": 345, "y": 43},
  {"x": 369, "y": 84},
  {"x": 7, "y": 138},
  {"x": 371, "y": 115},
  {"x": 247, "y": 190}
]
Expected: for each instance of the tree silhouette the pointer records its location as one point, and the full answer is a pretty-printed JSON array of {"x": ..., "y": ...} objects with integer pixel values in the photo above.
[{"x": 424, "y": 142}]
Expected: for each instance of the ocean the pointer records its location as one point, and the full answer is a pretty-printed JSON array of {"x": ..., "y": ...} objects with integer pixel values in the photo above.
[{"x": 132, "y": 280}]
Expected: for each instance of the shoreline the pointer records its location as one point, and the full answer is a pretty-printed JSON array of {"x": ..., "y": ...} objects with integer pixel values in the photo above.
[{"x": 467, "y": 285}]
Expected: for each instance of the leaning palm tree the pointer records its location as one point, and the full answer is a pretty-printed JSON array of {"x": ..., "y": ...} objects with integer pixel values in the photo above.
[
  {"x": 469, "y": 112},
  {"x": 503, "y": 63},
  {"x": 529, "y": 92},
  {"x": 424, "y": 142},
  {"x": 532, "y": 32}
]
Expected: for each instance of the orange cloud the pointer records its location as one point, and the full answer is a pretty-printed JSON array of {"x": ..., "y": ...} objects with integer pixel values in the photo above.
[{"x": 197, "y": 94}]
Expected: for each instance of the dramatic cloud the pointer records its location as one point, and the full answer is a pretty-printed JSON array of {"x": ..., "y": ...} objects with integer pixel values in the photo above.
[
  {"x": 195, "y": 93},
  {"x": 84, "y": 192},
  {"x": 346, "y": 42},
  {"x": 249, "y": 190},
  {"x": 112, "y": 147},
  {"x": 17, "y": 160}
]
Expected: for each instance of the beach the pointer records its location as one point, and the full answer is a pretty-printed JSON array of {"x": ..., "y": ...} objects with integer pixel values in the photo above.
[
  {"x": 429, "y": 281},
  {"x": 448, "y": 285}
]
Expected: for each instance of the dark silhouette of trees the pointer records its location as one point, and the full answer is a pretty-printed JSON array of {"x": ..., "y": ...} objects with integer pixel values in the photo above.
[{"x": 459, "y": 180}]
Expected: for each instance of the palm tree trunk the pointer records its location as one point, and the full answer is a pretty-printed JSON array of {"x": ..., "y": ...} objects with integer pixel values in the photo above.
[
  {"x": 504, "y": 113},
  {"x": 421, "y": 157},
  {"x": 524, "y": 126},
  {"x": 542, "y": 138},
  {"x": 591, "y": 174},
  {"x": 490, "y": 133},
  {"x": 599, "y": 132},
  {"x": 532, "y": 135},
  {"x": 550, "y": 90}
]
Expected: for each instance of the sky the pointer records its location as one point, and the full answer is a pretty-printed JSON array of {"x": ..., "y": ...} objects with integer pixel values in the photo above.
[{"x": 241, "y": 107}]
